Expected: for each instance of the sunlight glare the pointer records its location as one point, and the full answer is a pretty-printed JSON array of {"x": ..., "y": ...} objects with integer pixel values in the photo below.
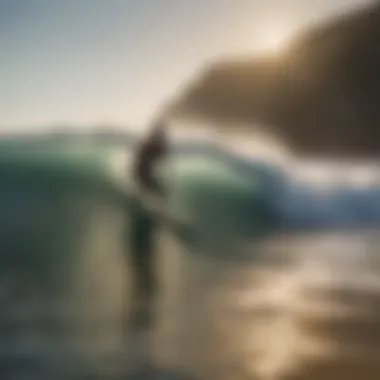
[{"x": 273, "y": 41}]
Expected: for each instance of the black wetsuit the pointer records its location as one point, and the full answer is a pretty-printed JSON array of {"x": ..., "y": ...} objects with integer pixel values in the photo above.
[
  {"x": 151, "y": 151},
  {"x": 143, "y": 225}
]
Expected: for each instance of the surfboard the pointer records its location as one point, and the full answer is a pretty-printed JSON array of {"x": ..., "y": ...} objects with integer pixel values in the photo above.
[{"x": 159, "y": 208}]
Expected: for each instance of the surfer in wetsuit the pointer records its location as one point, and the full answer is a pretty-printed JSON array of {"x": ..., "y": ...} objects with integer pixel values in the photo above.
[
  {"x": 143, "y": 225},
  {"x": 152, "y": 150}
]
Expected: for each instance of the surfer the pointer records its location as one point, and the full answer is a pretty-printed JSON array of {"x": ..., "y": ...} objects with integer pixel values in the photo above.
[
  {"x": 151, "y": 151},
  {"x": 143, "y": 224}
]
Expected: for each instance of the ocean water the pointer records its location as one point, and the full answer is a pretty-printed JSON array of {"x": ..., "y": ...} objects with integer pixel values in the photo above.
[{"x": 251, "y": 283}]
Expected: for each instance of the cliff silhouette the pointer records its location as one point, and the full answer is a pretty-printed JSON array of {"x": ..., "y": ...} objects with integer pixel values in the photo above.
[{"x": 321, "y": 96}]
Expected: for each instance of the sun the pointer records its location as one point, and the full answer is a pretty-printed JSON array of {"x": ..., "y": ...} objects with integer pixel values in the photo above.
[{"x": 273, "y": 41}]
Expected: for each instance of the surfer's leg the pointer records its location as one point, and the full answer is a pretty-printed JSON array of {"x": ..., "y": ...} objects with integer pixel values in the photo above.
[
  {"x": 144, "y": 246},
  {"x": 142, "y": 250}
]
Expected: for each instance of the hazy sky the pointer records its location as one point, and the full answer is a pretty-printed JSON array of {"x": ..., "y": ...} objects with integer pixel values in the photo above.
[{"x": 116, "y": 61}]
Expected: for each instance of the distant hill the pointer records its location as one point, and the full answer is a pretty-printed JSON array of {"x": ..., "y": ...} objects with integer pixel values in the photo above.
[
  {"x": 102, "y": 137},
  {"x": 321, "y": 96}
]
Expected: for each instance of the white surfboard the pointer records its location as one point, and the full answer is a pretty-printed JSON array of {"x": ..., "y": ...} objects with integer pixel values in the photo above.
[{"x": 159, "y": 208}]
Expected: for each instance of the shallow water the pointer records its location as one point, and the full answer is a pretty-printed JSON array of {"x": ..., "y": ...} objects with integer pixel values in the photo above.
[{"x": 311, "y": 311}]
